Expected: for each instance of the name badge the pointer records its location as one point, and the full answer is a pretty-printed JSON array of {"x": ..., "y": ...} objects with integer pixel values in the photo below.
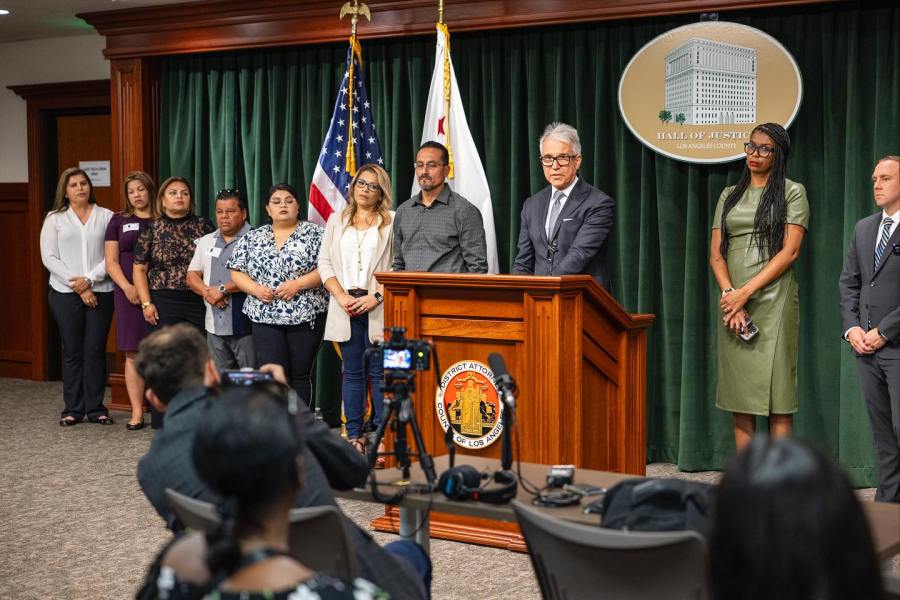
[
  {"x": 130, "y": 227},
  {"x": 214, "y": 251}
]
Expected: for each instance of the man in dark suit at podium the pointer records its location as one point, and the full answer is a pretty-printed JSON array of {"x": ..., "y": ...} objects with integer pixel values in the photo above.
[
  {"x": 565, "y": 227},
  {"x": 870, "y": 310}
]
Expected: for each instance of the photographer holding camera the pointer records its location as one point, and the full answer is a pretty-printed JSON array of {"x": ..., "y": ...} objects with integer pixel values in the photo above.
[{"x": 181, "y": 380}]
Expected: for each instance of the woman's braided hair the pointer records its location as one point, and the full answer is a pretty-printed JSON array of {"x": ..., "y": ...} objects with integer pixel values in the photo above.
[{"x": 768, "y": 224}]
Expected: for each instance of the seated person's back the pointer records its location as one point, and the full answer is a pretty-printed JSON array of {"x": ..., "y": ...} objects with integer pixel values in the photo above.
[
  {"x": 787, "y": 525},
  {"x": 246, "y": 451}
]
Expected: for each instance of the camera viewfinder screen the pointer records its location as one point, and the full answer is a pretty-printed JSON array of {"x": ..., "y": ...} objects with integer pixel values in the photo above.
[
  {"x": 247, "y": 377},
  {"x": 397, "y": 359}
]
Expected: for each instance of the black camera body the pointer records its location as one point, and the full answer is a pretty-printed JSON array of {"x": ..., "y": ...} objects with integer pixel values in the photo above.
[{"x": 400, "y": 354}]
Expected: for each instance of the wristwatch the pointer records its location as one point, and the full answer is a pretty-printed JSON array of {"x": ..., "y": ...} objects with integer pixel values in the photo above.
[
  {"x": 89, "y": 281},
  {"x": 145, "y": 305},
  {"x": 378, "y": 297},
  {"x": 222, "y": 288}
]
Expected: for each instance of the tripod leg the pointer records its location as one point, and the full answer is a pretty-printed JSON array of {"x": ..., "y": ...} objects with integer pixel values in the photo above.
[
  {"x": 389, "y": 412},
  {"x": 424, "y": 458}
]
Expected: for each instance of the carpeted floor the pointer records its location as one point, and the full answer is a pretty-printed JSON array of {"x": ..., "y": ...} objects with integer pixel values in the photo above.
[{"x": 74, "y": 523}]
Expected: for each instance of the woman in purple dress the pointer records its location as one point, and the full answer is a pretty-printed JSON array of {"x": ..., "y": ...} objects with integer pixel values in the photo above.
[{"x": 121, "y": 235}]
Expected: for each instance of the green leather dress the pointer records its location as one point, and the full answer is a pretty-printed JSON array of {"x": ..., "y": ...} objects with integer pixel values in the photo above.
[{"x": 760, "y": 376}]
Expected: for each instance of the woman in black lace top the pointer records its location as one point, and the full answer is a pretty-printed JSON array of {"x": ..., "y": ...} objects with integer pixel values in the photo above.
[{"x": 162, "y": 254}]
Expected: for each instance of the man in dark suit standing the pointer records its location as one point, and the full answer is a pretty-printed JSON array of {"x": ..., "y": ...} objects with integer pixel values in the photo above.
[
  {"x": 565, "y": 227},
  {"x": 870, "y": 309}
]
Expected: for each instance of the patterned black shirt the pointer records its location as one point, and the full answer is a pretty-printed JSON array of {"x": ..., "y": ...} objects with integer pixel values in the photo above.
[
  {"x": 257, "y": 256},
  {"x": 167, "y": 245},
  {"x": 446, "y": 237}
]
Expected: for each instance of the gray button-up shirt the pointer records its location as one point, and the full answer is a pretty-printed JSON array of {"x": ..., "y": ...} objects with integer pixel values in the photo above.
[
  {"x": 446, "y": 237},
  {"x": 210, "y": 257}
]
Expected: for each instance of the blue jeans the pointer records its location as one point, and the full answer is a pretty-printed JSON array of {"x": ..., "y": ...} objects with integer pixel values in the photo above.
[
  {"x": 354, "y": 384},
  {"x": 415, "y": 554}
]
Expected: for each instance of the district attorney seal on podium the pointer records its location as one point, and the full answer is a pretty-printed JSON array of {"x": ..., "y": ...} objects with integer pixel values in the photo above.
[{"x": 467, "y": 401}]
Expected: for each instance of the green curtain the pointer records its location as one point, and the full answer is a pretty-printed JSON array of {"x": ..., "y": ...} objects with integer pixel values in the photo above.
[{"x": 249, "y": 119}]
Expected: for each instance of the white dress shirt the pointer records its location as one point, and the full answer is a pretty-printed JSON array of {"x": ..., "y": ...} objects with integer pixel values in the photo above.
[
  {"x": 562, "y": 203},
  {"x": 895, "y": 218},
  {"x": 70, "y": 248}
]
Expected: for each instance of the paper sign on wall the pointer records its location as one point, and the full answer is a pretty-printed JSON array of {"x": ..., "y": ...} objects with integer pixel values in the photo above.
[{"x": 97, "y": 170}]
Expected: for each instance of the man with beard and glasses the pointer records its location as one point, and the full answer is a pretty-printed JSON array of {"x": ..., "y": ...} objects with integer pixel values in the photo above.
[{"x": 438, "y": 230}]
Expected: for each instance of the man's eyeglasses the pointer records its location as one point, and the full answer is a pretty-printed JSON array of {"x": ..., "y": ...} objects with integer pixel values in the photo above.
[
  {"x": 228, "y": 193},
  {"x": 372, "y": 187},
  {"x": 562, "y": 160},
  {"x": 286, "y": 201},
  {"x": 429, "y": 165},
  {"x": 750, "y": 148}
]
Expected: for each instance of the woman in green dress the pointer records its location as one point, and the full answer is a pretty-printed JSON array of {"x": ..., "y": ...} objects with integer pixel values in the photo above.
[{"x": 758, "y": 229}]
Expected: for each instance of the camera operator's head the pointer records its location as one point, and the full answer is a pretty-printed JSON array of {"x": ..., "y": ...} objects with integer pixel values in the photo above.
[
  {"x": 173, "y": 359},
  {"x": 247, "y": 451}
]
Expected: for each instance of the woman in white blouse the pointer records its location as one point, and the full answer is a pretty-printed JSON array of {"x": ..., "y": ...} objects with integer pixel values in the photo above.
[
  {"x": 81, "y": 295},
  {"x": 358, "y": 243}
]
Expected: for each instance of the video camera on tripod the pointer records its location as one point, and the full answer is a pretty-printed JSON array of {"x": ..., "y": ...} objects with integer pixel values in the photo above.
[{"x": 401, "y": 358}]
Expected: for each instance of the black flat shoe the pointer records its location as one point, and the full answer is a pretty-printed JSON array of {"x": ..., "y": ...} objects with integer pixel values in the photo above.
[
  {"x": 68, "y": 421},
  {"x": 104, "y": 420},
  {"x": 134, "y": 426}
]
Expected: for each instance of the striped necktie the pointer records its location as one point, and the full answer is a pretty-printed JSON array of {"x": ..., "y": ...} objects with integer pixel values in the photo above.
[
  {"x": 555, "y": 207},
  {"x": 882, "y": 243}
]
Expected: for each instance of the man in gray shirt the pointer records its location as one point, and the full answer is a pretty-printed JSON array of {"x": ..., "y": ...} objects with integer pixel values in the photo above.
[
  {"x": 227, "y": 327},
  {"x": 438, "y": 230}
]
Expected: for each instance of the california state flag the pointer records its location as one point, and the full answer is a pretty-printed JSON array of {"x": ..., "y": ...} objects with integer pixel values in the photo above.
[{"x": 445, "y": 122}]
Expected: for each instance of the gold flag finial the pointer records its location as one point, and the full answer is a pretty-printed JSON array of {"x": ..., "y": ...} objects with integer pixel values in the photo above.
[{"x": 355, "y": 8}]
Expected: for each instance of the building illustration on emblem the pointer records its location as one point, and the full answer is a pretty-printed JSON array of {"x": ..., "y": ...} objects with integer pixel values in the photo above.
[{"x": 710, "y": 83}]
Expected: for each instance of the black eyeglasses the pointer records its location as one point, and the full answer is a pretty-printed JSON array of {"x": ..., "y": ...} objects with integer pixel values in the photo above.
[
  {"x": 372, "y": 187},
  {"x": 228, "y": 193},
  {"x": 562, "y": 160},
  {"x": 750, "y": 148}
]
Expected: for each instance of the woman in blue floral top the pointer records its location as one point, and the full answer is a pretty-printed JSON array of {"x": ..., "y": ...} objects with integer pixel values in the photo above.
[{"x": 276, "y": 265}]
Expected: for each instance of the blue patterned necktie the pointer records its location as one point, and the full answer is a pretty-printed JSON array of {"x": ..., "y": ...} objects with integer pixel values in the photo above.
[{"x": 882, "y": 243}]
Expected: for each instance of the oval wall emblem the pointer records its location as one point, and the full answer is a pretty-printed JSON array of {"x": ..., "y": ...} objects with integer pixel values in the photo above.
[
  {"x": 467, "y": 401},
  {"x": 694, "y": 93}
]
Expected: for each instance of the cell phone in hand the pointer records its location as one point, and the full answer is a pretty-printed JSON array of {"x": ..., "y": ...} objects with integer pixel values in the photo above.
[{"x": 748, "y": 332}]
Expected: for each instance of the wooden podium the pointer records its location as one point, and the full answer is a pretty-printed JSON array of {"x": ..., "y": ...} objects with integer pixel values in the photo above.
[{"x": 578, "y": 358}]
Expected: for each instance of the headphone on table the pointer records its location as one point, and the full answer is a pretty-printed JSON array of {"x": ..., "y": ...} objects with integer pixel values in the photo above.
[{"x": 464, "y": 483}]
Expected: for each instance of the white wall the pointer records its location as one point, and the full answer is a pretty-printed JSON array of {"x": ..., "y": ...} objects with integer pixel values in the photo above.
[{"x": 50, "y": 60}]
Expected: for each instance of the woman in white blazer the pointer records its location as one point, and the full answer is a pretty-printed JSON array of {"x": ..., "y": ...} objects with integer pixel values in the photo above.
[{"x": 358, "y": 243}]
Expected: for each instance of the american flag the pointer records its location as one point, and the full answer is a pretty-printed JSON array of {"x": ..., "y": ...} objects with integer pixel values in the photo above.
[{"x": 350, "y": 143}]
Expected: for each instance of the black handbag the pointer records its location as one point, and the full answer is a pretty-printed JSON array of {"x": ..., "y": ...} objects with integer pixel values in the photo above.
[{"x": 650, "y": 504}]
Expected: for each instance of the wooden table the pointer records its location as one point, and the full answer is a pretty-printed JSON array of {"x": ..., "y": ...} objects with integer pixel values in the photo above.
[{"x": 415, "y": 507}]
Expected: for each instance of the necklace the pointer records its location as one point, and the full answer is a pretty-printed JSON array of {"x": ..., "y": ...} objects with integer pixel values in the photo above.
[{"x": 359, "y": 243}]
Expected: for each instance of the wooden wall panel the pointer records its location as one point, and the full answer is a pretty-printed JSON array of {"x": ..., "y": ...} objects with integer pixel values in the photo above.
[
  {"x": 86, "y": 137},
  {"x": 45, "y": 102},
  {"x": 16, "y": 311},
  {"x": 229, "y": 24}
]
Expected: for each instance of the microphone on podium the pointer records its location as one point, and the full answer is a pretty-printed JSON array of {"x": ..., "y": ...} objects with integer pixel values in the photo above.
[
  {"x": 507, "y": 387},
  {"x": 503, "y": 380}
]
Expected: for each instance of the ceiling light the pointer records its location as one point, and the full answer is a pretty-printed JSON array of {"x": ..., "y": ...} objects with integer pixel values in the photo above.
[{"x": 3, "y": 11}]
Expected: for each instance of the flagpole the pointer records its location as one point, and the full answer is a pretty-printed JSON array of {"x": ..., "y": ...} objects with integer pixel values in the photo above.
[
  {"x": 354, "y": 8},
  {"x": 441, "y": 12}
]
